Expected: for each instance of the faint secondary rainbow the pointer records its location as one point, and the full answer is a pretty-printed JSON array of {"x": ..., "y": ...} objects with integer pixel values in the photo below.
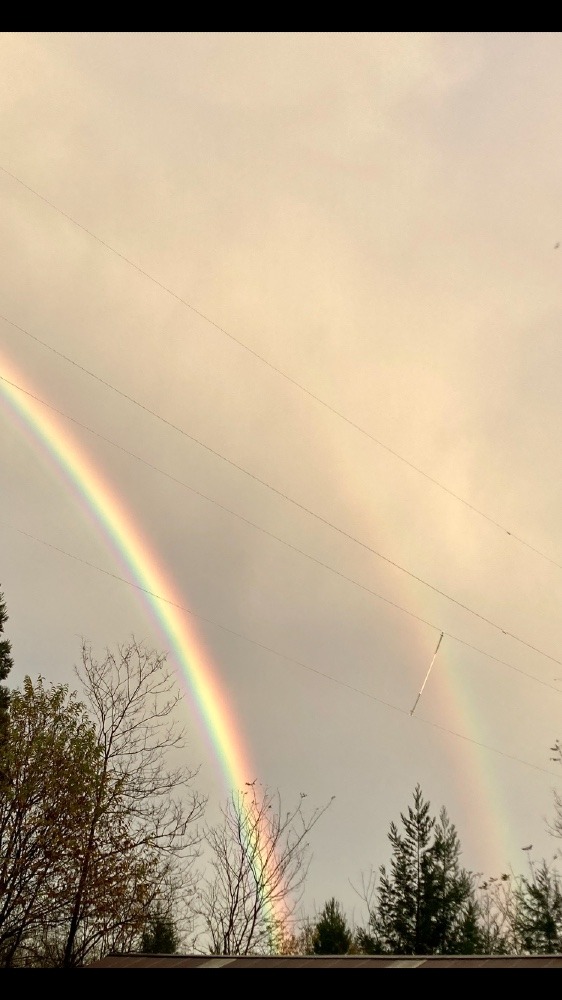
[
  {"x": 483, "y": 798},
  {"x": 134, "y": 553},
  {"x": 481, "y": 790}
]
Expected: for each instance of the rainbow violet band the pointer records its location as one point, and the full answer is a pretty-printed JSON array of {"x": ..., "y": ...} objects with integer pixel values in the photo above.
[{"x": 140, "y": 563}]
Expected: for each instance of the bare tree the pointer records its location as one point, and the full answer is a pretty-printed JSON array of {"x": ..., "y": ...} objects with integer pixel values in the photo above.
[
  {"x": 554, "y": 827},
  {"x": 260, "y": 859},
  {"x": 140, "y": 834}
]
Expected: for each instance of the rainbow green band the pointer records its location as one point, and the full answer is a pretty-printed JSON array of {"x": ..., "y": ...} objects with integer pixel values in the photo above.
[{"x": 141, "y": 563}]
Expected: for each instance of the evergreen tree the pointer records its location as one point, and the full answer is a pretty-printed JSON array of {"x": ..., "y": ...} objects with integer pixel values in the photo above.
[
  {"x": 452, "y": 914},
  {"x": 399, "y": 917},
  {"x": 539, "y": 911},
  {"x": 160, "y": 937},
  {"x": 331, "y": 935},
  {"x": 366, "y": 943},
  {"x": 426, "y": 902}
]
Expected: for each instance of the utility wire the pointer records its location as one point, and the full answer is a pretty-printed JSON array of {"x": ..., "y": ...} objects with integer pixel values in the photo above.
[
  {"x": 283, "y": 656},
  {"x": 284, "y": 496},
  {"x": 283, "y": 374},
  {"x": 277, "y": 538}
]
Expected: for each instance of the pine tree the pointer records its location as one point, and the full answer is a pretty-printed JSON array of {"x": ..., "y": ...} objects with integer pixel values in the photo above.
[
  {"x": 160, "y": 937},
  {"x": 331, "y": 935},
  {"x": 449, "y": 896},
  {"x": 398, "y": 921},
  {"x": 539, "y": 913},
  {"x": 426, "y": 902}
]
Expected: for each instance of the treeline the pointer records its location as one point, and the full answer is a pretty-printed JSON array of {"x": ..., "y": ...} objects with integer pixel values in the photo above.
[
  {"x": 426, "y": 903},
  {"x": 103, "y": 840},
  {"x": 104, "y": 845}
]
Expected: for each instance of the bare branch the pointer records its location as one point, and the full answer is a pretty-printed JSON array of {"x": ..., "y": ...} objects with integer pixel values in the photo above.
[{"x": 260, "y": 857}]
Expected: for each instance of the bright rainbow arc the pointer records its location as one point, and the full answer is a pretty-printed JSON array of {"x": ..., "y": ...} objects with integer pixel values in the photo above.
[
  {"x": 196, "y": 674},
  {"x": 136, "y": 557}
]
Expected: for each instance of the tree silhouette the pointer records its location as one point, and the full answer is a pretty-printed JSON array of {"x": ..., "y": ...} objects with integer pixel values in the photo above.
[
  {"x": 425, "y": 903},
  {"x": 331, "y": 935}
]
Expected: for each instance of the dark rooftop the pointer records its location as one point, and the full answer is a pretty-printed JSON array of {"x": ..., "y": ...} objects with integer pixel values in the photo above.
[{"x": 140, "y": 961}]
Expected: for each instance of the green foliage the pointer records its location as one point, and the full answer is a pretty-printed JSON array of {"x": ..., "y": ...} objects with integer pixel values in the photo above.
[
  {"x": 331, "y": 935},
  {"x": 365, "y": 943},
  {"x": 160, "y": 937},
  {"x": 539, "y": 911},
  {"x": 399, "y": 923},
  {"x": 449, "y": 896},
  {"x": 94, "y": 836},
  {"x": 426, "y": 901},
  {"x": 51, "y": 758}
]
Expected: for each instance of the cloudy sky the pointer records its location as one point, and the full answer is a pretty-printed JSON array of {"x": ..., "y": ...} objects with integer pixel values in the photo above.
[{"x": 301, "y": 295}]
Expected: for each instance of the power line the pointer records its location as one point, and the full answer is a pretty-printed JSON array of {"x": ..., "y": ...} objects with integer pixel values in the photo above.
[
  {"x": 284, "y": 496},
  {"x": 283, "y": 656},
  {"x": 277, "y": 538},
  {"x": 279, "y": 371}
]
